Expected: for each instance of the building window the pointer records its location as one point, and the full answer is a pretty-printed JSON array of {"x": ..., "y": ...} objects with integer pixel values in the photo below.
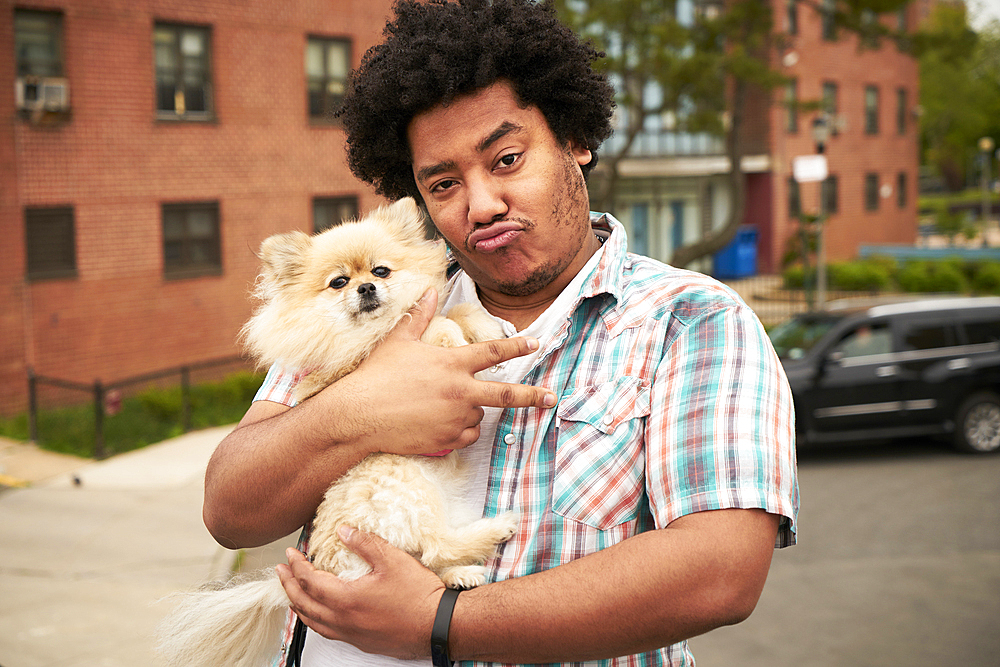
[
  {"x": 331, "y": 211},
  {"x": 871, "y": 110},
  {"x": 328, "y": 62},
  {"x": 794, "y": 199},
  {"x": 901, "y": 189},
  {"x": 792, "y": 106},
  {"x": 638, "y": 237},
  {"x": 183, "y": 60},
  {"x": 901, "y": 111},
  {"x": 50, "y": 241},
  {"x": 191, "y": 239},
  {"x": 830, "y": 93},
  {"x": 828, "y": 193},
  {"x": 871, "y": 192},
  {"x": 792, "y": 16},
  {"x": 869, "y": 28},
  {"x": 38, "y": 43},
  {"x": 828, "y": 13}
]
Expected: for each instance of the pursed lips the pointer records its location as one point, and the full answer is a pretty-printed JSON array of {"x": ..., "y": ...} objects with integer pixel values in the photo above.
[{"x": 494, "y": 236}]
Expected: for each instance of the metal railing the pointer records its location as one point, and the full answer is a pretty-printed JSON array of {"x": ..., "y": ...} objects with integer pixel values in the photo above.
[{"x": 106, "y": 397}]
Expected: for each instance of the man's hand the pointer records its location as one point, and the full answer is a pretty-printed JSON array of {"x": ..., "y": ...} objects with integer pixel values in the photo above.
[
  {"x": 366, "y": 612},
  {"x": 266, "y": 479},
  {"x": 415, "y": 398}
]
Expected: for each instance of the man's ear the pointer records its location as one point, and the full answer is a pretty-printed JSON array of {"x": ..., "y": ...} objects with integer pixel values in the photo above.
[
  {"x": 283, "y": 257},
  {"x": 580, "y": 153}
]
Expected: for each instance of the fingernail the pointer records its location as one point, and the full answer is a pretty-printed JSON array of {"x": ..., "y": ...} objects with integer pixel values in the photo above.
[
  {"x": 345, "y": 532},
  {"x": 549, "y": 400},
  {"x": 426, "y": 295},
  {"x": 532, "y": 344}
]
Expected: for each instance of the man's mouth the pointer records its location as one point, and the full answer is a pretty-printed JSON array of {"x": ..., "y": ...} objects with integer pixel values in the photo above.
[{"x": 494, "y": 236}]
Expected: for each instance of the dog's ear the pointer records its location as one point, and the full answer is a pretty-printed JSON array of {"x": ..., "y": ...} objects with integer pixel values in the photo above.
[
  {"x": 283, "y": 257},
  {"x": 406, "y": 218}
]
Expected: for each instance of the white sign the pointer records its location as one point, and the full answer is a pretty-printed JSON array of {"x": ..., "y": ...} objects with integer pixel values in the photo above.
[{"x": 809, "y": 168}]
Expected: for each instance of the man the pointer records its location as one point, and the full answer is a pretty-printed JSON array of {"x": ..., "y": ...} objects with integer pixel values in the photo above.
[{"x": 643, "y": 429}]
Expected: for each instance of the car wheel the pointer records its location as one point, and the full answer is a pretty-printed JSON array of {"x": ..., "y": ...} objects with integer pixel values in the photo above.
[{"x": 977, "y": 424}]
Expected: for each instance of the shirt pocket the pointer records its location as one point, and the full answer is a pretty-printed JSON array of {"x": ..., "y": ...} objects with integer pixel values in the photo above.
[{"x": 600, "y": 459}]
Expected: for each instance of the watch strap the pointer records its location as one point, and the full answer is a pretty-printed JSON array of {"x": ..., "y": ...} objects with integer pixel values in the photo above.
[{"x": 442, "y": 625}]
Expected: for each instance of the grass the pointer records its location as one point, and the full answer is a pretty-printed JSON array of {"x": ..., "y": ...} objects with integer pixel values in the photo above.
[{"x": 150, "y": 416}]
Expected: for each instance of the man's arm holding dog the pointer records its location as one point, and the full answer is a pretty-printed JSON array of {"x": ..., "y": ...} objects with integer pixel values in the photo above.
[
  {"x": 702, "y": 571},
  {"x": 267, "y": 477}
]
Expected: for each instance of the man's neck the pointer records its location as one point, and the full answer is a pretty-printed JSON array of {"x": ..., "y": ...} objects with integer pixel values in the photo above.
[{"x": 521, "y": 311}]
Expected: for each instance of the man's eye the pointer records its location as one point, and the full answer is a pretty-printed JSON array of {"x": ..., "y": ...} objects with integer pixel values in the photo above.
[
  {"x": 509, "y": 159},
  {"x": 441, "y": 186},
  {"x": 339, "y": 283},
  {"x": 381, "y": 272}
]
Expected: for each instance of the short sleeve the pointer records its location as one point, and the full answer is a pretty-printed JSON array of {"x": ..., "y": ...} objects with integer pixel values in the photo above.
[{"x": 721, "y": 430}]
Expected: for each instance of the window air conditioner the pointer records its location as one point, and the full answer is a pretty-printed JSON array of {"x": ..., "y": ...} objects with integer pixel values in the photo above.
[{"x": 42, "y": 94}]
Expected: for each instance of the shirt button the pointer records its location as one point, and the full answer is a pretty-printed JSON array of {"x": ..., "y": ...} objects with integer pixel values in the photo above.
[
  {"x": 608, "y": 419},
  {"x": 510, "y": 439}
]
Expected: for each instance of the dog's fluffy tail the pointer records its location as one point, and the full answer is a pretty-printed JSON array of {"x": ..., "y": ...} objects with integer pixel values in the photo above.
[{"x": 236, "y": 625}]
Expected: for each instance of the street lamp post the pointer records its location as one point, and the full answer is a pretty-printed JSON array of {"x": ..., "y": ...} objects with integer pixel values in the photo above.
[
  {"x": 986, "y": 148},
  {"x": 821, "y": 133}
]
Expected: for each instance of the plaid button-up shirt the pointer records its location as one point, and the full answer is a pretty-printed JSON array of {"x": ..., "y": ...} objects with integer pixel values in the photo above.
[{"x": 671, "y": 401}]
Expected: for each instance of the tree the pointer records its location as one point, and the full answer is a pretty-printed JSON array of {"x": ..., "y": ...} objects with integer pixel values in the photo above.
[
  {"x": 696, "y": 68},
  {"x": 960, "y": 91}
]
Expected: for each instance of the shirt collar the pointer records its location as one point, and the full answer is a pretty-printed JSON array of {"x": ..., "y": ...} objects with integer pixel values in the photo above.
[{"x": 607, "y": 277}]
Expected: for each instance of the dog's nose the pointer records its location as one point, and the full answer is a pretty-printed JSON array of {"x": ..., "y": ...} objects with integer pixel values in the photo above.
[{"x": 368, "y": 289}]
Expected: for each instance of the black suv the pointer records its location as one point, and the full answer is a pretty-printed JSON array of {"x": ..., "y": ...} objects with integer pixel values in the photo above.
[{"x": 916, "y": 368}]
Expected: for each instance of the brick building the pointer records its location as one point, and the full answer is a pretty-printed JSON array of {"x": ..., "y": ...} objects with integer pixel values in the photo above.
[
  {"x": 869, "y": 97},
  {"x": 146, "y": 149},
  {"x": 674, "y": 189}
]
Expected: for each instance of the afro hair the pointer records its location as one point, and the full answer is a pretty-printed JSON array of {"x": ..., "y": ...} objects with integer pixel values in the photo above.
[{"x": 439, "y": 50}]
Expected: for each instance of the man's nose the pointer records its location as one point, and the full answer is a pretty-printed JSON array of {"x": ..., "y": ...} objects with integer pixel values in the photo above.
[{"x": 486, "y": 201}]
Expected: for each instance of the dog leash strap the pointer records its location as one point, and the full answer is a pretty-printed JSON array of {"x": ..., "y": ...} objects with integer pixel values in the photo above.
[
  {"x": 296, "y": 645},
  {"x": 441, "y": 627}
]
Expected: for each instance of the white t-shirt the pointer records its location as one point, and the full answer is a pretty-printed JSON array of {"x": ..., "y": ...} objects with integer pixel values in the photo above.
[{"x": 322, "y": 652}]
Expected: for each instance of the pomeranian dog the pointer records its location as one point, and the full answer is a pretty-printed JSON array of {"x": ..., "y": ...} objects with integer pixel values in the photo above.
[{"x": 326, "y": 301}]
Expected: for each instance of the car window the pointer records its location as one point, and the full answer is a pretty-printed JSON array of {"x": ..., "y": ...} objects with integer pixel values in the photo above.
[
  {"x": 865, "y": 341},
  {"x": 926, "y": 335},
  {"x": 793, "y": 338},
  {"x": 977, "y": 333}
]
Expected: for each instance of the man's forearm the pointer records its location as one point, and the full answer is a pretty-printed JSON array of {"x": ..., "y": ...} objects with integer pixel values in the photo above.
[
  {"x": 647, "y": 592},
  {"x": 267, "y": 477}
]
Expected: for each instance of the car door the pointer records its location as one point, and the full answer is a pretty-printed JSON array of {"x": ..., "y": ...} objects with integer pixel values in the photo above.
[
  {"x": 857, "y": 387},
  {"x": 931, "y": 366}
]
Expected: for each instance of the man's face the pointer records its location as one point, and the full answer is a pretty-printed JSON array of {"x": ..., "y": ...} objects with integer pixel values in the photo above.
[{"x": 509, "y": 199}]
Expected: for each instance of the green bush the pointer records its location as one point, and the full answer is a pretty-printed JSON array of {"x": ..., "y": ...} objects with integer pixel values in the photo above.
[
  {"x": 926, "y": 276},
  {"x": 859, "y": 276},
  {"x": 794, "y": 277},
  {"x": 986, "y": 278}
]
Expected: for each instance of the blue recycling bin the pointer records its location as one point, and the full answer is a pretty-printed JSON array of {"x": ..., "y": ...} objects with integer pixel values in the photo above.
[{"x": 739, "y": 258}]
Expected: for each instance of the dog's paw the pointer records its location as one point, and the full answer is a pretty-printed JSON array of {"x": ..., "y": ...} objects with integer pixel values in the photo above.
[
  {"x": 443, "y": 333},
  {"x": 463, "y": 576},
  {"x": 475, "y": 323},
  {"x": 505, "y": 526}
]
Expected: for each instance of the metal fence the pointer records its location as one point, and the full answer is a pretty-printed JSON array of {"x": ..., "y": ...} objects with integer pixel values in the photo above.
[
  {"x": 773, "y": 303},
  {"x": 106, "y": 397}
]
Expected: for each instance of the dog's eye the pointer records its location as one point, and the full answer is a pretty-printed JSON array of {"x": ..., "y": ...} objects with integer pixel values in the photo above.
[
  {"x": 381, "y": 272},
  {"x": 339, "y": 283}
]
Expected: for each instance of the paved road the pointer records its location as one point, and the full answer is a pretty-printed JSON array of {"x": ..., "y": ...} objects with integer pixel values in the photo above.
[{"x": 898, "y": 563}]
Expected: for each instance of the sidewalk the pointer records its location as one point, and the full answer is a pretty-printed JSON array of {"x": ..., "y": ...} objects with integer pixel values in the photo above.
[{"x": 82, "y": 564}]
